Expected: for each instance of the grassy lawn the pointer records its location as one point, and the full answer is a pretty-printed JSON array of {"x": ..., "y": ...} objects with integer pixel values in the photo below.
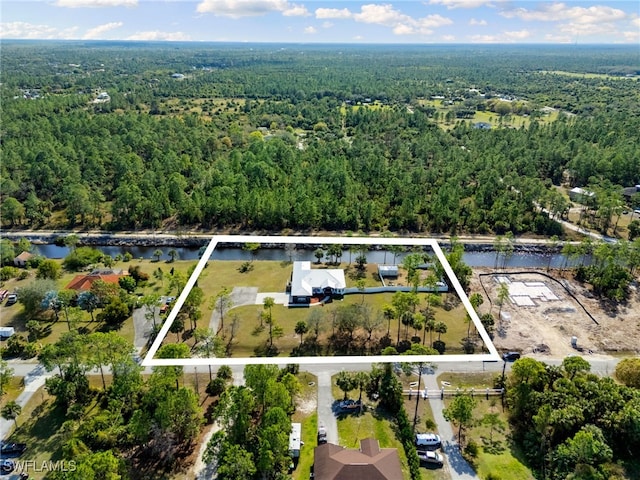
[
  {"x": 250, "y": 335},
  {"x": 12, "y": 390},
  {"x": 497, "y": 454}
]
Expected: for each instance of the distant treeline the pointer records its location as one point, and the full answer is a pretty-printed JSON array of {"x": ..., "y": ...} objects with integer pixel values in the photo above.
[{"x": 331, "y": 138}]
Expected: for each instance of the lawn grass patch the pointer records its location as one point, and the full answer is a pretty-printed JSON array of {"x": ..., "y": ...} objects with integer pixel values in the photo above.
[
  {"x": 309, "y": 425},
  {"x": 12, "y": 390}
]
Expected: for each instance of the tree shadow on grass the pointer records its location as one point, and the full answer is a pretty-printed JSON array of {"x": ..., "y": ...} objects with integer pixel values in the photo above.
[
  {"x": 495, "y": 447},
  {"x": 39, "y": 432}
]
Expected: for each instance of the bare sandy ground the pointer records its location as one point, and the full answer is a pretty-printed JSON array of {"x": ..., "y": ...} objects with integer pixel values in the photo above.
[{"x": 548, "y": 326}]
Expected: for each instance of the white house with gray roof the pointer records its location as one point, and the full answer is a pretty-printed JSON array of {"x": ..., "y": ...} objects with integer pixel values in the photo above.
[{"x": 307, "y": 282}]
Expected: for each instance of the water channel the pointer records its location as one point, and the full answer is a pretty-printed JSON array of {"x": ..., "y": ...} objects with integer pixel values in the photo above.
[{"x": 473, "y": 258}]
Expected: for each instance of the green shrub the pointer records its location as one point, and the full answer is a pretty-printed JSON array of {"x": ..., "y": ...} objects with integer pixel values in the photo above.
[
  {"x": 8, "y": 272},
  {"x": 471, "y": 449},
  {"x": 224, "y": 372},
  {"x": 82, "y": 257},
  {"x": 216, "y": 387}
]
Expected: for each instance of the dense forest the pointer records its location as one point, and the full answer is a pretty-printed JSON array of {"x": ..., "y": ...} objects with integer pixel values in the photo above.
[{"x": 331, "y": 137}]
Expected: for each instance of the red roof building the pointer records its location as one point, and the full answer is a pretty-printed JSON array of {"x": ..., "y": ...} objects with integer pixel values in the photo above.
[{"x": 81, "y": 283}]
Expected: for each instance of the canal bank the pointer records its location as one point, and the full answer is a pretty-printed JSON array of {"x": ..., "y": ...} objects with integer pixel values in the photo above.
[{"x": 479, "y": 250}]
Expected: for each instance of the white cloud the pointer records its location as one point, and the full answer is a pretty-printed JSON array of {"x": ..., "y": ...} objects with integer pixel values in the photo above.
[
  {"x": 95, "y": 3},
  {"x": 32, "y": 31},
  {"x": 636, "y": 22},
  {"x": 403, "y": 29},
  {"x": 401, "y": 23},
  {"x": 557, "y": 38},
  {"x": 96, "y": 32},
  {"x": 517, "y": 35},
  {"x": 380, "y": 14},
  {"x": 504, "y": 37},
  {"x": 451, "y": 4},
  {"x": 244, "y": 8},
  {"x": 296, "y": 11},
  {"x": 333, "y": 13},
  {"x": 358, "y": 37},
  {"x": 159, "y": 36},
  {"x": 631, "y": 36},
  {"x": 327, "y": 24},
  {"x": 561, "y": 12},
  {"x": 481, "y": 23},
  {"x": 310, "y": 30},
  {"x": 581, "y": 29},
  {"x": 448, "y": 38}
]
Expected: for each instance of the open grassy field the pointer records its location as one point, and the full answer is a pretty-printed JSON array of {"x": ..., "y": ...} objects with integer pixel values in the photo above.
[{"x": 250, "y": 334}]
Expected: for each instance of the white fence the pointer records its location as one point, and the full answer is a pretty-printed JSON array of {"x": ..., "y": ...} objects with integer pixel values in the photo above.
[{"x": 473, "y": 392}]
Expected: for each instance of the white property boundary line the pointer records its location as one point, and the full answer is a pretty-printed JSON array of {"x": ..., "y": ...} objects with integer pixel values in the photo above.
[{"x": 149, "y": 361}]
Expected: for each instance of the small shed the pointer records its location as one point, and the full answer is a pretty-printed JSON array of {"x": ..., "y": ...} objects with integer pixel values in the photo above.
[
  {"x": 22, "y": 259},
  {"x": 388, "y": 271}
]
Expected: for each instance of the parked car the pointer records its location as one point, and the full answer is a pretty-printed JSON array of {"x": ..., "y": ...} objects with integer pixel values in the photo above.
[
  {"x": 12, "y": 449},
  {"x": 510, "y": 356},
  {"x": 322, "y": 435},
  {"x": 431, "y": 458},
  {"x": 428, "y": 440},
  {"x": 12, "y": 298}
]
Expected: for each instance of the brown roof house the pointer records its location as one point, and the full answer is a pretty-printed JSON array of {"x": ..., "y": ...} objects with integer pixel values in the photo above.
[
  {"x": 84, "y": 282},
  {"x": 22, "y": 259},
  {"x": 371, "y": 462}
]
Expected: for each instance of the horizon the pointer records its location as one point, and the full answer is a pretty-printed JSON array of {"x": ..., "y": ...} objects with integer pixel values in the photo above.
[{"x": 428, "y": 22}]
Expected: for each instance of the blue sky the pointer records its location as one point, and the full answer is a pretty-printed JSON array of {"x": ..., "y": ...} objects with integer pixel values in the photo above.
[{"x": 318, "y": 21}]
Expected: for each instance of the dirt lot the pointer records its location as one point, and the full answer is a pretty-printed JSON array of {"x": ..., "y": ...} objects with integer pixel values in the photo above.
[{"x": 545, "y": 324}]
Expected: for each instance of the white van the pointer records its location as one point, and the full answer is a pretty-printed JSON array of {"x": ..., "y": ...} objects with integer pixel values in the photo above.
[{"x": 428, "y": 440}]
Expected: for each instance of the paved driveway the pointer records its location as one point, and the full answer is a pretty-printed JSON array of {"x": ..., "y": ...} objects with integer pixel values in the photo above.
[
  {"x": 326, "y": 416},
  {"x": 143, "y": 326},
  {"x": 278, "y": 297}
]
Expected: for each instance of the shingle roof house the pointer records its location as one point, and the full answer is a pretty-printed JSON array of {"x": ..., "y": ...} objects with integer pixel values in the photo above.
[
  {"x": 371, "y": 462},
  {"x": 22, "y": 259}
]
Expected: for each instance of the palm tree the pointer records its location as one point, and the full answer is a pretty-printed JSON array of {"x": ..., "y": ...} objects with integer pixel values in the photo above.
[
  {"x": 389, "y": 314},
  {"x": 268, "y": 304},
  {"x": 157, "y": 254},
  {"x": 173, "y": 253},
  {"x": 440, "y": 328},
  {"x": 430, "y": 326},
  {"x": 11, "y": 411},
  {"x": 300, "y": 329}
]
